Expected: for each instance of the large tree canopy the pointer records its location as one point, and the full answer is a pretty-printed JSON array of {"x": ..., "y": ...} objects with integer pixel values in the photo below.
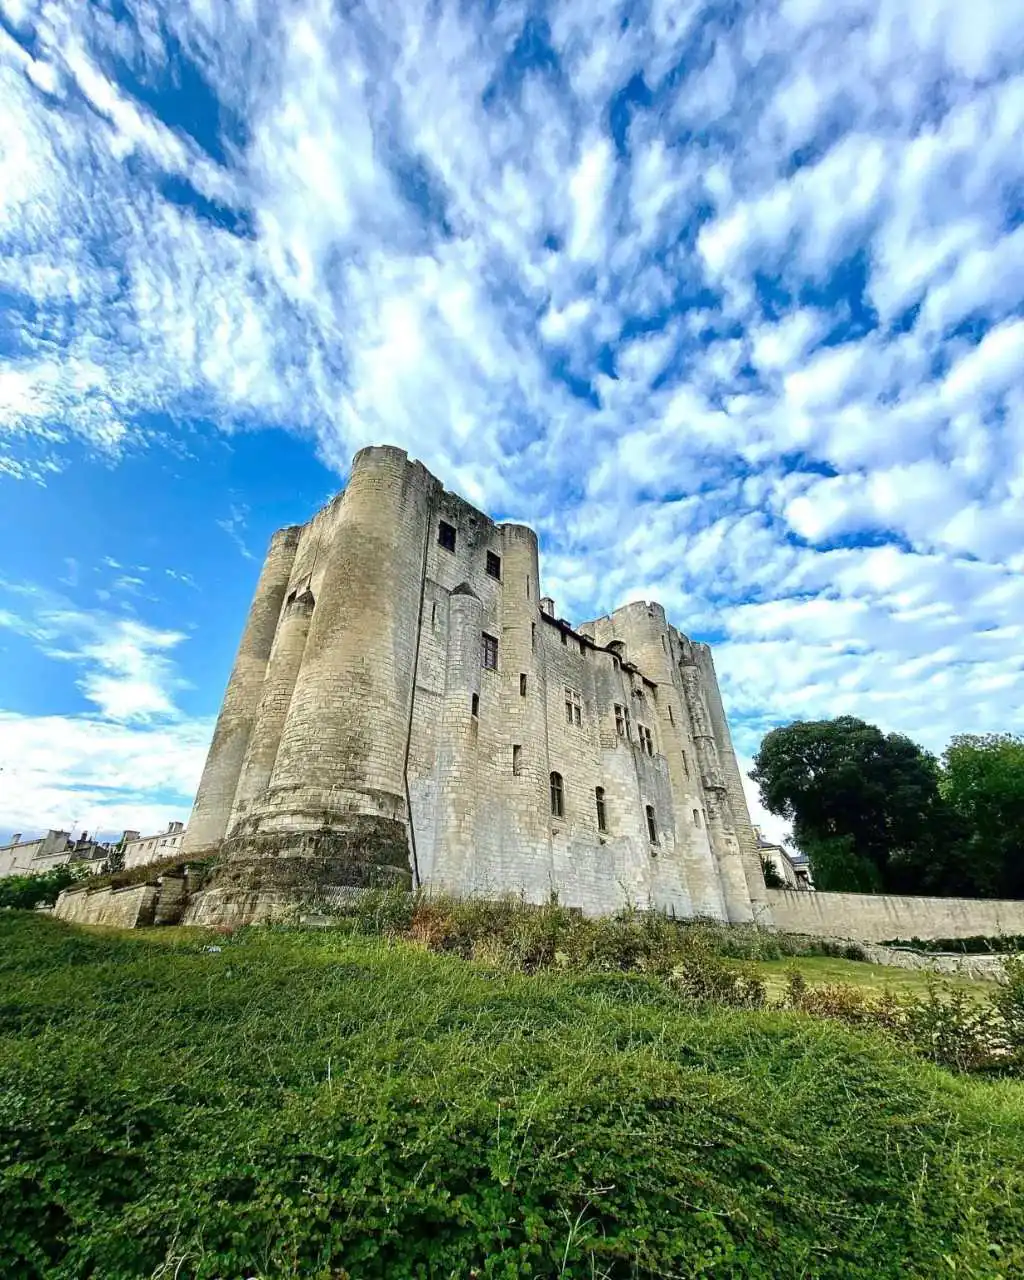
[
  {"x": 865, "y": 805},
  {"x": 983, "y": 783}
]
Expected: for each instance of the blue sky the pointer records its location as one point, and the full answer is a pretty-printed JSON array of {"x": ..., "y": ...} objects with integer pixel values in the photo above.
[{"x": 726, "y": 299}]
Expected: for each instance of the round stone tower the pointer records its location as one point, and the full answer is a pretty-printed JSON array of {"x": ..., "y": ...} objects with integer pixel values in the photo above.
[{"x": 318, "y": 798}]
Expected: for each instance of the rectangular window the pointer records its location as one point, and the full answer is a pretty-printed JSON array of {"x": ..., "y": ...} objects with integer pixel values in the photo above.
[
  {"x": 620, "y": 721},
  {"x": 474, "y": 705},
  {"x": 602, "y": 814},
  {"x": 646, "y": 741},
  {"x": 565, "y": 638},
  {"x": 517, "y": 760},
  {"x": 573, "y": 708},
  {"x": 446, "y": 535},
  {"x": 557, "y": 796},
  {"x": 652, "y": 825},
  {"x": 522, "y": 684},
  {"x": 494, "y": 565},
  {"x": 490, "y": 652},
  {"x": 696, "y": 817}
]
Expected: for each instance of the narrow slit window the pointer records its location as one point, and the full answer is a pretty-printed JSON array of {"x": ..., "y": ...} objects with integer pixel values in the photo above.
[
  {"x": 686, "y": 764},
  {"x": 565, "y": 639},
  {"x": 433, "y": 614},
  {"x": 527, "y": 588},
  {"x": 602, "y": 813},
  {"x": 696, "y": 817},
  {"x": 533, "y": 635},
  {"x": 652, "y": 826},
  {"x": 446, "y": 535},
  {"x": 522, "y": 684},
  {"x": 671, "y": 717},
  {"x": 494, "y": 565},
  {"x": 704, "y": 814},
  {"x": 517, "y": 760},
  {"x": 557, "y": 796},
  {"x": 490, "y": 652},
  {"x": 474, "y": 705}
]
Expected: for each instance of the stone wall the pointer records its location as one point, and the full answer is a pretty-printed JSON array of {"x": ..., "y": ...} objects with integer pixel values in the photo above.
[
  {"x": 129, "y": 908},
  {"x": 881, "y": 917}
]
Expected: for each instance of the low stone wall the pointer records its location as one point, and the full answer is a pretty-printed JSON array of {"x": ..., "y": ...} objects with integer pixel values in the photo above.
[
  {"x": 987, "y": 968},
  {"x": 871, "y": 917},
  {"x": 128, "y": 908}
]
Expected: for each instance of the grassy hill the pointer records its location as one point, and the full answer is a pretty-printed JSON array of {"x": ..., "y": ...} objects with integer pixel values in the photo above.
[{"x": 325, "y": 1105}]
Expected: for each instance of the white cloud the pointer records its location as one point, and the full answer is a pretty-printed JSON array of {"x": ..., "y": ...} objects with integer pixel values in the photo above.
[{"x": 779, "y": 309}]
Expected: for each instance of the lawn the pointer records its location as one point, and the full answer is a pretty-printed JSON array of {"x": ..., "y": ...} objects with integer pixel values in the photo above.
[
  {"x": 323, "y": 1105},
  {"x": 869, "y": 977}
]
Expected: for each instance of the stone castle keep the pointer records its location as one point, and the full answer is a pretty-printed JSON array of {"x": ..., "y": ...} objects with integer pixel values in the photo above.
[{"x": 406, "y": 708}]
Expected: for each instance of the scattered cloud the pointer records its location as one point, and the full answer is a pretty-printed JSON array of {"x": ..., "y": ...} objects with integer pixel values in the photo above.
[{"x": 729, "y": 303}]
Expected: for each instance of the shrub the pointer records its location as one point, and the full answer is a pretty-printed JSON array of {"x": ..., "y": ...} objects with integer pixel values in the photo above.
[
  {"x": 949, "y": 1027},
  {"x": 27, "y": 892}
]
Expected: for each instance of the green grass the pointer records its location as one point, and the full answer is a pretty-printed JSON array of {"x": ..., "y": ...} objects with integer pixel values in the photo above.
[
  {"x": 323, "y": 1105},
  {"x": 867, "y": 977}
]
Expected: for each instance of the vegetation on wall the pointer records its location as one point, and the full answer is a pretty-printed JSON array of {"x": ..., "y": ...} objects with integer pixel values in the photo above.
[
  {"x": 875, "y": 813},
  {"x": 344, "y": 1104}
]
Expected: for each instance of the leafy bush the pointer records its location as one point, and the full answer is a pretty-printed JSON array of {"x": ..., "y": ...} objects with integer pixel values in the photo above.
[{"x": 26, "y": 892}]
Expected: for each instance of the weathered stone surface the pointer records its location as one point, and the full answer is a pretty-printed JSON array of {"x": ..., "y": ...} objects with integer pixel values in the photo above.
[{"x": 880, "y": 917}]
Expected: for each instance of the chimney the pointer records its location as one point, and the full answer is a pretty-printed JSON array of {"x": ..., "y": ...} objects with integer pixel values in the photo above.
[
  {"x": 173, "y": 828},
  {"x": 547, "y": 606},
  {"x": 16, "y": 837}
]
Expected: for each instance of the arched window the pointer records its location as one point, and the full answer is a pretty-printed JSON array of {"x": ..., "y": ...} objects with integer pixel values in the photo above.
[
  {"x": 557, "y": 796},
  {"x": 652, "y": 826},
  {"x": 602, "y": 816}
]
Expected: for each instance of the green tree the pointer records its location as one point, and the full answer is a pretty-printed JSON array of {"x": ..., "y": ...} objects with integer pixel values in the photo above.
[
  {"x": 982, "y": 781},
  {"x": 26, "y": 892},
  {"x": 865, "y": 806}
]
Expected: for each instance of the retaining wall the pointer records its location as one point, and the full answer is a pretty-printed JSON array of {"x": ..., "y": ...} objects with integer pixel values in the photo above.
[
  {"x": 128, "y": 908},
  {"x": 871, "y": 917}
]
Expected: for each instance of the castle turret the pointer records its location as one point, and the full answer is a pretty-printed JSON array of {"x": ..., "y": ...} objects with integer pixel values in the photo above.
[
  {"x": 745, "y": 834},
  {"x": 278, "y": 687},
  {"x": 216, "y": 794}
]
